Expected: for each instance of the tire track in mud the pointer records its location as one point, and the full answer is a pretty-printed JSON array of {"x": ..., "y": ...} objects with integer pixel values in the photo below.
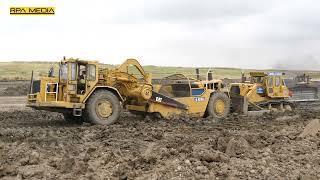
[{"x": 38, "y": 144}]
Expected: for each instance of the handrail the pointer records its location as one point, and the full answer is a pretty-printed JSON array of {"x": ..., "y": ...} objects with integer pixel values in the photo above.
[{"x": 53, "y": 92}]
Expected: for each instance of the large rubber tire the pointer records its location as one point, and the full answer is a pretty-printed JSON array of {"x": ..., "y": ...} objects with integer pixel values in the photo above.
[
  {"x": 218, "y": 98},
  {"x": 92, "y": 112},
  {"x": 73, "y": 119}
]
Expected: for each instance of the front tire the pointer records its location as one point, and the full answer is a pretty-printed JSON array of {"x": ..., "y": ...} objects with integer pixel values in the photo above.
[
  {"x": 219, "y": 105},
  {"x": 103, "y": 108}
]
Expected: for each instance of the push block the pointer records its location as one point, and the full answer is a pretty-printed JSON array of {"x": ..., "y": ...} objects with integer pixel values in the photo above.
[{"x": 240, "y": 105}]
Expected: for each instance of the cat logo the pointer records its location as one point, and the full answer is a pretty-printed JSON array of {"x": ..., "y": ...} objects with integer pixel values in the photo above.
[
  {"x": 158, "y": 99},
  {"x": 32, "y": 11}
]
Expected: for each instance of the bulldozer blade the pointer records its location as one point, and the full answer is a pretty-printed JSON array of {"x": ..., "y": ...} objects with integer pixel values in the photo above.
[
  {"x": 303, "y": 100},
  {"x": 304, "y": 93}
]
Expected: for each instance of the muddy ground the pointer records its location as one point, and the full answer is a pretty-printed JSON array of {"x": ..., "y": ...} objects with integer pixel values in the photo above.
[
  {"x": 42, "y": 145},
  {"x": 14, "y": 88}
]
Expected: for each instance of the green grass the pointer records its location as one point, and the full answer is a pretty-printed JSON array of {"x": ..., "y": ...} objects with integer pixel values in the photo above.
[
  {"x": 160, "y": 71},
  {"x": 22, "y": 71}
]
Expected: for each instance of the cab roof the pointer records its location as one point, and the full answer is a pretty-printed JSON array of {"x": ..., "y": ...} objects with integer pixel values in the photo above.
[
  {"x": 78, "y": 61},
  {"x": 258, "y": 74},
  {"x": 263, "y": 74}
]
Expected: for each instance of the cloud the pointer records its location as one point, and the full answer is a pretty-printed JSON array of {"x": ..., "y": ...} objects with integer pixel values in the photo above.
[
  {"x": 306, "y": 62},
  {"x": 189, "y": 11},
  {"x": 234, "y": 33}
]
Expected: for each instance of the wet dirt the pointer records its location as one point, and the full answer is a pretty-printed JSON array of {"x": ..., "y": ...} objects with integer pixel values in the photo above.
[
  {"x": 312, "y": 129},
  {"x": 14, "y": 88},
  {"x": 42, "y": 145}
]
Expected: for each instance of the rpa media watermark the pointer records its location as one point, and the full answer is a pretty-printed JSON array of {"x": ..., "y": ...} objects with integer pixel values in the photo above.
[{"x": 26, "y": 11}]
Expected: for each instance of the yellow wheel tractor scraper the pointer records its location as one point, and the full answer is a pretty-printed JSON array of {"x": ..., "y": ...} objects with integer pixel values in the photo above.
[
  {"x": 83, "y": 91},
  {"x": 264, "y": 91},
  {"x": 180, "y": 95}
]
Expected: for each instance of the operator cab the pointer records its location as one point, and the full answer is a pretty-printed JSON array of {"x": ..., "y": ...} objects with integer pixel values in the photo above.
[
  {"x": 76, "y": 78},
  {"x": 257, "y": 77},
  {"x": 272, "y": 84},
  {"x": 276, "y": 86}
]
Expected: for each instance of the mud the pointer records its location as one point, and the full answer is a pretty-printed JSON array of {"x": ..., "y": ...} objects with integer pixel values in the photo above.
[
  {"x": 14, "y": 88},
  {"x": 312, "y": 129},
  {"x": 41, "y": 145},
  {"x": 20, "y": 90}
]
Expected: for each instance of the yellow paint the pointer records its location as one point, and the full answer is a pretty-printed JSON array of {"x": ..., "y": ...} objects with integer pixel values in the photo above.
[
  {"x": 267, "y": 82},
  {"x": 195, "y": 108},
  {"x": 118, "y": 81},
  {"x": 133, "y": 92},
  {"x": 219, "y": 106}
]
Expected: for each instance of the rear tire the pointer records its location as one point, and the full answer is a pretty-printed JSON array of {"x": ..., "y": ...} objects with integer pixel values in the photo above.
[
  {"x": 219, "y": 105},
  {"x": 103, "y": 108}
]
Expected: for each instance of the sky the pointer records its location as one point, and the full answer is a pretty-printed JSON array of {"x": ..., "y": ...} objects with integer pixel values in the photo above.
[{"x": 216, "y": 33}]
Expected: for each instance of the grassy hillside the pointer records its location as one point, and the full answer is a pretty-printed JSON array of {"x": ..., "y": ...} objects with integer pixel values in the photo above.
[{"x": 22, "y": 71}]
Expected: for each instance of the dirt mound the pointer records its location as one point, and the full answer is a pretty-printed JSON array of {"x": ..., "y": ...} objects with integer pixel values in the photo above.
[
  {"x": 41, "y": 145},
  {"x": 19, "y": 90},
  {"x": 238, "y": 147},
  {"x": 311, "y": 129}
]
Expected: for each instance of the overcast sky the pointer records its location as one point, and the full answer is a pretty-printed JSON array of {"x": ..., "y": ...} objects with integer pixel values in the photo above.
[{"x": 228, "y": 33}]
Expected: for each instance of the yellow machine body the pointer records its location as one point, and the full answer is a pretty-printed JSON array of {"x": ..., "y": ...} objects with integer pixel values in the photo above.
[
  {"x": 101, "y": 93},
  {"x": 179, "y": 95},
  {"x": 62, "y": 92},
  {"x": 262, "y": 88},
  {"x": 195, "y": 106}
]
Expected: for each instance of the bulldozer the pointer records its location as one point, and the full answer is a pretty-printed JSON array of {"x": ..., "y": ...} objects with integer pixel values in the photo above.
[
  {"x": 264, "y": 91},
  {"x": 84, "y": 91},
  {"x": 303, "y": 89}
]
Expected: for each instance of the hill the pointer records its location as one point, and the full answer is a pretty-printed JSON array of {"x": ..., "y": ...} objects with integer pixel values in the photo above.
[{"x": 22, "y": 70}]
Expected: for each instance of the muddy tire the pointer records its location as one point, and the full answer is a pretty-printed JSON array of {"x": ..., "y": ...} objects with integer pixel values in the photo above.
[
  {"x": 219, "y": 105},
  {"x": 73, "y": 119},
  {"x": 103, "y": 108}
]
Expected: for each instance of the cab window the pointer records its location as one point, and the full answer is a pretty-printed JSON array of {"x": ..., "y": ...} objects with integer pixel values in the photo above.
[
  {"x": 257, "y": 79},
  {"x": 270, "y": 82},
  {"x": 277, "y": 81},
  {"x": 91, "y": 71},
  {"x": 73, "y": 71},
  {"x": 63, "y": 72}
]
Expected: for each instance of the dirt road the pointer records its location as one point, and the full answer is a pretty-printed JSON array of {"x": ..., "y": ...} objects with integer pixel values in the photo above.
[
  {"x": 12, "y": 103},
  {"x": 14, "y": 88},
  {"x": 13, "y": 100},
  {"x": 42, "y": 145}
]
